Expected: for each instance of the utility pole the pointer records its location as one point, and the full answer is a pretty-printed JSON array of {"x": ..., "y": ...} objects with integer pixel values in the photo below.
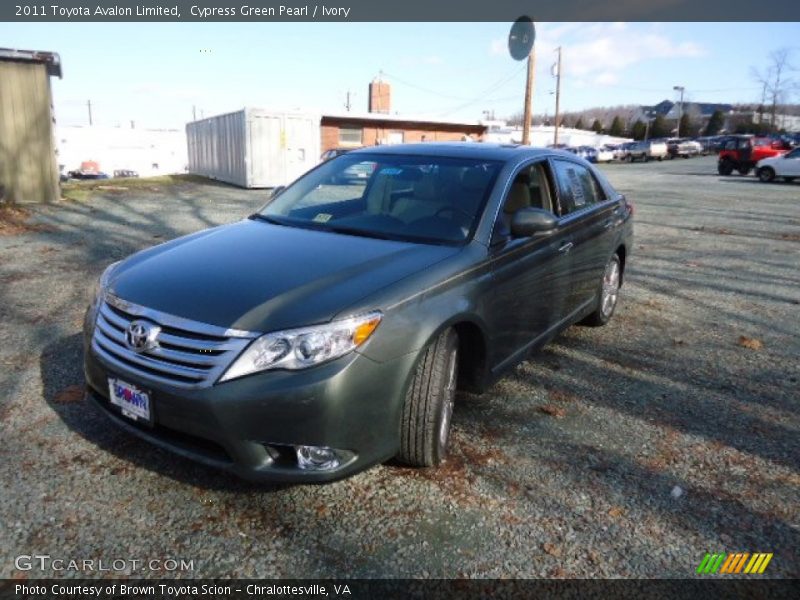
[
  {"x": 89, "y": 105},
  {"x": 347, "y": 102},
  {"x": 679, "y": 88},
  {"x": 558, "y": 97},
  {"x": 529, "y": 87},
  {"x": 194, "y": 113}
]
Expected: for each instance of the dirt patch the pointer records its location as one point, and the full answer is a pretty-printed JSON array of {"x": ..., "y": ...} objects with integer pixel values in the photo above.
[
  {"x": 751, "y": 343},
  {"x": 15, "y": 220},
  {"x": 553, "y": 411},
  {"x": 562, "y": 396},
  {"x": 70, "y": 395}
]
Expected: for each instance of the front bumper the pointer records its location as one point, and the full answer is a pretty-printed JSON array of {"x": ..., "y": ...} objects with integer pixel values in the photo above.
[{"x": 249, "y": 426}]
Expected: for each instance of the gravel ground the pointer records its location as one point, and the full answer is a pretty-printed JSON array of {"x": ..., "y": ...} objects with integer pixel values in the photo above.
[{"x": 626, "y": 451}]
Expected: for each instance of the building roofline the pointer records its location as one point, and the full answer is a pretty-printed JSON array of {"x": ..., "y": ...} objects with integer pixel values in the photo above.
[
  {"x": 51, "y": 60},
  {"x": 398, "y": 118}
]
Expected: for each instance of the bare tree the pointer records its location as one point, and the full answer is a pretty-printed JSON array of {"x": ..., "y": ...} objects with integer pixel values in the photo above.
[{"x": 776, "y": 80}]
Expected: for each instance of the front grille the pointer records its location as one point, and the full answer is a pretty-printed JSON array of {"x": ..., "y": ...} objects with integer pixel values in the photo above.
[
  {"x": 199, "y": 446},
  {"x": 186, "y": 354}
]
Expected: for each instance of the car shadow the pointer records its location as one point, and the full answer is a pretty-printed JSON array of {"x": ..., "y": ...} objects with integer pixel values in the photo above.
[{"x": 61, "y": 369}]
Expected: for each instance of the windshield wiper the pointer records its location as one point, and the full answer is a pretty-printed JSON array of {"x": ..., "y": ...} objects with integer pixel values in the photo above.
[
  {"x": 271, "y": 220},
  {"x": 359, "y": 232}
]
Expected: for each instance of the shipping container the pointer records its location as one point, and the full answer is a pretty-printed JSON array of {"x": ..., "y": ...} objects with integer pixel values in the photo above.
[{"x": 254, "y": 148}]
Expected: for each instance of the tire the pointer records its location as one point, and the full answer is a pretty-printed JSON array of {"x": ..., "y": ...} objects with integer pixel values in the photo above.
[
  {"x": 725, "y": 167},
  {"x": 428, "y": 407},
  {"x": 766, "y": 174},
  {"x": 608, "y": 295}
]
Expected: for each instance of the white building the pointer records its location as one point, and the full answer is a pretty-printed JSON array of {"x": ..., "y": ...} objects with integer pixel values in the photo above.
[
  {"x": 543, "y": 135},
  {"x": 789, "y": 123},
  {"x": 147, "y": 151}
]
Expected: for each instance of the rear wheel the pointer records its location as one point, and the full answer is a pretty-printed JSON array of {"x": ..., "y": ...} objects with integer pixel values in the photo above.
[
  {"x": 725, "y": 167},
  {"x": 608, "y": 294},
  {"x": 428, "y": 408},
  {"x": 766, "y": 174}
]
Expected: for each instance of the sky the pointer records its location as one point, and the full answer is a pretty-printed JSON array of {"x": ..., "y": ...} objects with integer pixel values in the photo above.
[{"x": 159, "y": 75}]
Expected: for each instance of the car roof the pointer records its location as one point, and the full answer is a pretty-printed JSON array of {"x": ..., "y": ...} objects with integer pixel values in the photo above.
[{"x": 474, "y": 150}]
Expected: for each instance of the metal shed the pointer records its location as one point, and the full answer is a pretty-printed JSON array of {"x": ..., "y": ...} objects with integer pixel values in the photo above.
[
  {"x": 28, "y": 168},
  {"x": 254, "y": 148}
]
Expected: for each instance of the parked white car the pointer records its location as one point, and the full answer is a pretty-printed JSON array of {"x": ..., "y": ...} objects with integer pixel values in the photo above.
[
  {"x": 604, "y": 155},
  {"x": 786, "y": 166},
  {"x": 656, "y": 150}
]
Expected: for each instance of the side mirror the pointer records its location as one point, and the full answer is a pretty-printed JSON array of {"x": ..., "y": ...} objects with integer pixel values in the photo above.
[
  {"x": 276, "y": 191},
  {"x": 527, "y": 222}
]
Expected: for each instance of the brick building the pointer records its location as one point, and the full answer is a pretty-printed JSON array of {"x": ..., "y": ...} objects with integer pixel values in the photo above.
[
  {"x": 369, "y": 129},
  {"x": 379, "y": 126}
]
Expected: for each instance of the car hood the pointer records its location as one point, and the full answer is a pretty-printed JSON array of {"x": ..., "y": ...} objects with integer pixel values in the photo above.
[
  {"x": 769, "y": 160},
  {"x": 256, "y": 276}
]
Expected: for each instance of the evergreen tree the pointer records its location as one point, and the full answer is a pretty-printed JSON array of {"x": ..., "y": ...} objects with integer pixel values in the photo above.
[
  {"x": 639, "y": 129},
  {"x": 686, "y": 127},
  {"x": 715, "y": 123},
  {"x": 617, "y": 128},
  {"x": 659, "y": 127},
  {"x": 597, "y": 126},
  {"x": 579, "y": 123}
]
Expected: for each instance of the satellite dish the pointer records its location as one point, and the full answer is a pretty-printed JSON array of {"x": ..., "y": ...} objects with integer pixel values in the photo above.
[{"x": 521, "y": 37}]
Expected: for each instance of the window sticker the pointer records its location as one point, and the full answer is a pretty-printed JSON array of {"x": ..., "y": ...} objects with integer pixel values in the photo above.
[
  {"x": 578, "y": 195},
  {"x": 322, "y": 217},
  {"x": 391, "y": 171}
]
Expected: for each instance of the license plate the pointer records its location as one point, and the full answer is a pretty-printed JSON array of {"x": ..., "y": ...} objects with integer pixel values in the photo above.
[{"x": 133, "y": 402}]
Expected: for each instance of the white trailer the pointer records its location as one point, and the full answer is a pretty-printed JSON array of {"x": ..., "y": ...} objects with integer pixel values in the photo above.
[{"x": 253, "y": 147}]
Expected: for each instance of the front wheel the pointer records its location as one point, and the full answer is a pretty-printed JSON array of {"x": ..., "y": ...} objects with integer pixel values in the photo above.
[
  {"x": 608, "y": 294},
  {"x": 766, "y": 174},
  {"x": 428, "y": 407},
  {"x": 725, "y": 167}
]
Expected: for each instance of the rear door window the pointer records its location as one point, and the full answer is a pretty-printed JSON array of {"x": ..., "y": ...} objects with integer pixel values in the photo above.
[{"x": 577, "y": 187}]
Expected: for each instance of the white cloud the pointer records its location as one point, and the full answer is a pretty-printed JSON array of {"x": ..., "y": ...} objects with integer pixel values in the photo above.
[
  {"x": 606, "y": 78},
  {"x": 413, "y": 61},
  {"x": 599, "y": 53},
  {"x": 432, "y": 60},
  {"x": 498, "y": 47}
]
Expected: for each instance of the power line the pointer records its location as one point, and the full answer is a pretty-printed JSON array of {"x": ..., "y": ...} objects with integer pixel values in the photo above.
[
  {"x": 492, "y": 88},
  {"x": 505, "y": 79}
]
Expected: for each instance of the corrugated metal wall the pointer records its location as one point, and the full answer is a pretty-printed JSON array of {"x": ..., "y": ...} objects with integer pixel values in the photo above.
[
  {"x": 28, "y": 169},
  {"x": 217, "y": 148},
  {"x": 254, "y": 148}
]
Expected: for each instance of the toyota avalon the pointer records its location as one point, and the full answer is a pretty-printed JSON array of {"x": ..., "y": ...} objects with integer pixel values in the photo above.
[{"x": 330, "y": 330}]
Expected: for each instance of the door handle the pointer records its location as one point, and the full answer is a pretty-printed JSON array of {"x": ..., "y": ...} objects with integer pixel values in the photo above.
[{"x": 565, "y": 247}]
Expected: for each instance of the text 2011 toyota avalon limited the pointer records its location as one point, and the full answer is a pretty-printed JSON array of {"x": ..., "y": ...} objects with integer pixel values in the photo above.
[{"x": 330, "y": 330}]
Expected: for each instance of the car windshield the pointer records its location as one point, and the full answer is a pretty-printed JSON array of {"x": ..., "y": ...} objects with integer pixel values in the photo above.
[{"x": 428, "y": 199}]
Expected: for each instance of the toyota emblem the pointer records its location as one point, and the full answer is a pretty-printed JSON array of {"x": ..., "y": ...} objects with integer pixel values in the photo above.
[{"x": 141, "y": 336}]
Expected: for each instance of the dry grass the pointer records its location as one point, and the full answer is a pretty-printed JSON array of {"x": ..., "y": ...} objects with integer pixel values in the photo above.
[
  {"x": 15, "y": 220},
  {"x": 81, "y": 191}
]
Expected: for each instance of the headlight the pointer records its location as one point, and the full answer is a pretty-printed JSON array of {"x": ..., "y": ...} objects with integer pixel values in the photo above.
[
  {"x": 99, "y": 289},
  {"x": 302, "y": 348}
]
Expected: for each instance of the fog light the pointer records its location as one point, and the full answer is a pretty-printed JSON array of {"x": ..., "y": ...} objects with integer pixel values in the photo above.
[{"x": 316, "y": 458}]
